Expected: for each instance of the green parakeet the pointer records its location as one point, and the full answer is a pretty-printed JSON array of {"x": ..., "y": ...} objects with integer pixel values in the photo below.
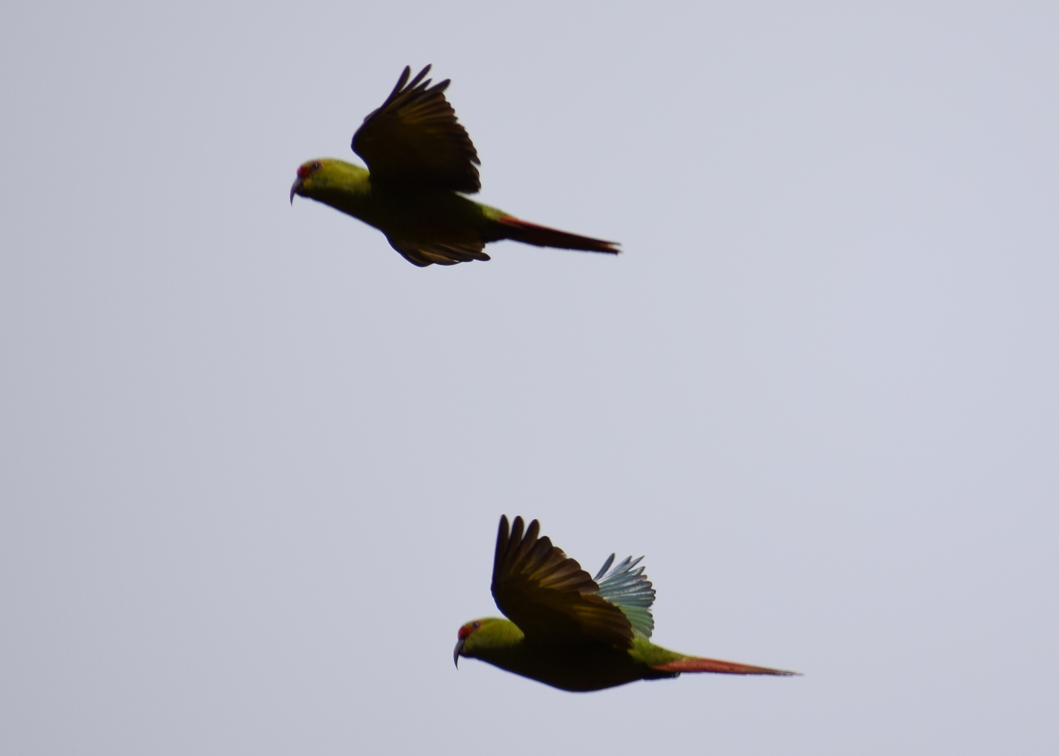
[
  {"x": 421, "y": 163},
  {"x": 568, "y": 630}
]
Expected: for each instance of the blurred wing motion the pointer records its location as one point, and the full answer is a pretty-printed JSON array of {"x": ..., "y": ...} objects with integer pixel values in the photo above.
[
  {"x": 415, "y": 139},
  {"x": 548, "y": 595}
]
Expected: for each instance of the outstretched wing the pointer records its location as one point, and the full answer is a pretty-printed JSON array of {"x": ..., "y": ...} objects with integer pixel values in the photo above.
[
  {"x": 414, "y": 139},
  {"x": 548, "y": 595},
  {"x": 630, "y": 590}
]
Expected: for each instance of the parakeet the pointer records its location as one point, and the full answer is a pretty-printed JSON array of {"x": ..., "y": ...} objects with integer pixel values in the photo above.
[
  {"x": 569, "y": 630},
  {"x": 420, "y": 164}
]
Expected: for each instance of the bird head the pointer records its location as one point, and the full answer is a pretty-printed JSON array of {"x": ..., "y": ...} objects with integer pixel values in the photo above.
[
  {"x": 483, "y": 635},
  {"x": 303, "y": 183},
  {"x": 462, "y": 635},
  {"x": 328, "y": 180}
]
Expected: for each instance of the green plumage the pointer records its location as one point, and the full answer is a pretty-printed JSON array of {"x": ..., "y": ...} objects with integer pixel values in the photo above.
[
  {"x": 566, "y": 629},
  {"x": 574, "y": 667},
  {"x": 420, "y": 164}
]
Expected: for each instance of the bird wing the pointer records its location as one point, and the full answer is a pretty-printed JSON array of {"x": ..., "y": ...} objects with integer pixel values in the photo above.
[
  {"x": 414, "y": 139},
  {"x": 628, "y": 588},
  {"x": 441, "y": 253},
  {"x": 548, "y": 595}
]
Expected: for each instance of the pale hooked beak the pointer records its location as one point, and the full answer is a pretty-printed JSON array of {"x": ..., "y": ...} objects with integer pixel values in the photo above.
[
  {"x": 458, "y": 652},
  {"x": 295, "y": 188}
]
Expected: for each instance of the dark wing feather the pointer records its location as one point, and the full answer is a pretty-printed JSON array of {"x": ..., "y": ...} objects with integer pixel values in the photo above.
[
  {"x": 414, "y": 139},
  {"x": 548, "y": 595},
  {"x": 440, "y": 253}
]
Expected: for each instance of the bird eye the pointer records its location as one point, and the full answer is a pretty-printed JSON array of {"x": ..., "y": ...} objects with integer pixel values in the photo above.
[
  {"x": 309, "y": 169},
  {"x": 477, "y": 625}
]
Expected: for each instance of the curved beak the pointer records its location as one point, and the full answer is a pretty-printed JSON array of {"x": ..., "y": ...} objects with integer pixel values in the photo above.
[
  {"x": 457, "y": 652},
  {"x": 295, "y": 188}
]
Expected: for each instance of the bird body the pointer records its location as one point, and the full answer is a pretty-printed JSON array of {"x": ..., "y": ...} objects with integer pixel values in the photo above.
[
  {"x": 410, "y": 217},
  {"x": 577, "y": 668},
  {"x": 569, "y": 630},
  {"x": 421, "y": 163}
]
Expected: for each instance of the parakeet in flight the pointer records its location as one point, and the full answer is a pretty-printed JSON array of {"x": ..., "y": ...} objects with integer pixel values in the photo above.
[
  {"x": 572, "y": 631},
  {"x": 420, "y": 164}
]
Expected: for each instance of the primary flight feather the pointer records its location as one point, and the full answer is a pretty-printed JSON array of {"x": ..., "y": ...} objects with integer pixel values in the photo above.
[
  {"x": 420, "y": 164},
  {"x": 569, "y": 630}
]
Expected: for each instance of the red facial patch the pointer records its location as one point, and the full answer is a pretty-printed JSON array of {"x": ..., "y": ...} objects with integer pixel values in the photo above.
[
  {"x": 467, "y": 629},
  {"x": 305, "y": 170}
]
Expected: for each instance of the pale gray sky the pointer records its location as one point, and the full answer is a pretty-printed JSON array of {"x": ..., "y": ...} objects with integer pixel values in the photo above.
[{"x": 252, "y": 461}]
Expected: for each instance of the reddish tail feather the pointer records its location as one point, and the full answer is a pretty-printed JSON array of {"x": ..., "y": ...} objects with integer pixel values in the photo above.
[
  {"x": 542, "y": 236},
  {"x": 692, "y": 664}
]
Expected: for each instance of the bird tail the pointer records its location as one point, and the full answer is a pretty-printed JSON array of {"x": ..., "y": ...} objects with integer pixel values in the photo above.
[
  {"x": 693, "y": 664},
  {"x": 542, "y": 236}
]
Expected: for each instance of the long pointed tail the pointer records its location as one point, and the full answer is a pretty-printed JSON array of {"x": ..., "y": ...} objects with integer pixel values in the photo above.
[
  {"x": 542, "y": 236},
  {"x": 692, "y": 664}
]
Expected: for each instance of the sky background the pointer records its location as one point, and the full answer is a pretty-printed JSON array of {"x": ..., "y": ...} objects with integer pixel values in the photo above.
[{"x": 252, "y": 461}]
